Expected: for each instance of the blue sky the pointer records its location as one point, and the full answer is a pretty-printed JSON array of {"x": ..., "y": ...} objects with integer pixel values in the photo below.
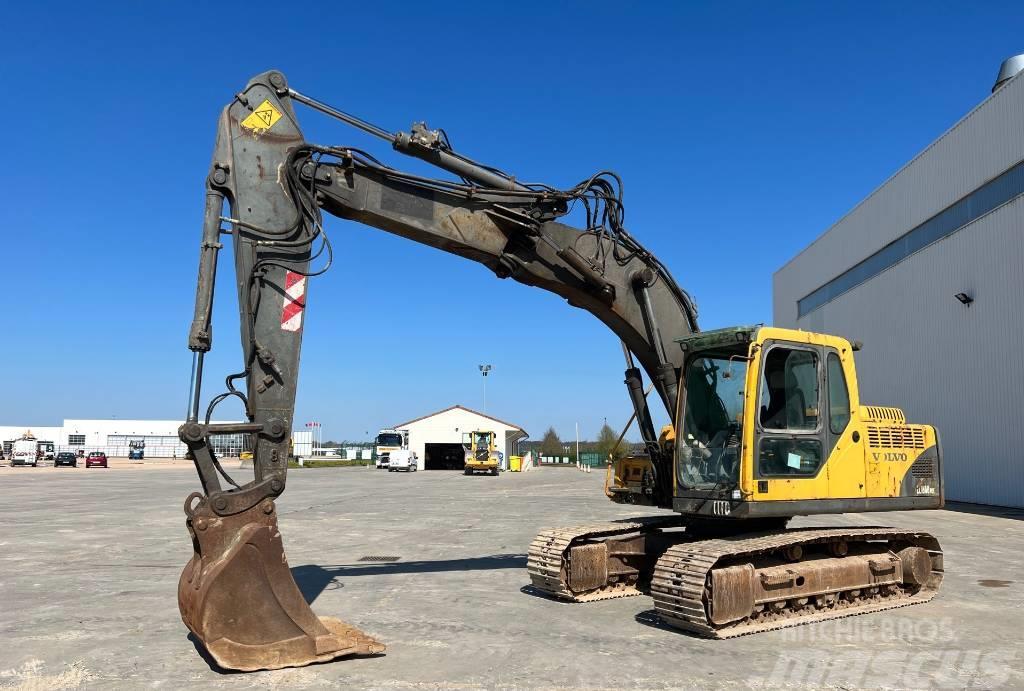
[{"x": 742, "y": 131}]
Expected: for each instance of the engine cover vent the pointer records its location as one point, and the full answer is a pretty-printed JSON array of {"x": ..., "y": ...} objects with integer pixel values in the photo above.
[
  {"x": 895, "y": 437},
  {"x": 923, "y": 467},
  {"x": 877, "y": 413}
]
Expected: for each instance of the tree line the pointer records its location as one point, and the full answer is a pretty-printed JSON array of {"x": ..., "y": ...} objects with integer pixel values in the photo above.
[{"x": 607, "y": 443}]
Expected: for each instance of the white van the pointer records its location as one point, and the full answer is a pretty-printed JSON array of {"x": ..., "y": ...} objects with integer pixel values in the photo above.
[
  {"x": 25, "y": 452},
  {"x": 403, "y": 459}
]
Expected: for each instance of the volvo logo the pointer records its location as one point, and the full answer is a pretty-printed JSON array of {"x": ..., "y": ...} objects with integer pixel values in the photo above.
[{"x": 890, "y": 456}]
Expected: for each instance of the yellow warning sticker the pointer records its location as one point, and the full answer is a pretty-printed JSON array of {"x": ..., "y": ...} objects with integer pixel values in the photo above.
[{"x": 263, "y": 118}]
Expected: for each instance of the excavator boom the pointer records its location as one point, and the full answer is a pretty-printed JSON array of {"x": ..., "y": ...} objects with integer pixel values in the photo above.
[{"x": 266, "y": 189}]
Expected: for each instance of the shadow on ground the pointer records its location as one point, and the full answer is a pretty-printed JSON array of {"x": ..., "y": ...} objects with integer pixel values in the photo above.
[
  {"x": 313, "y": 579},
  {"x": 650, "y": 617},
  {"x": 537, "y": 592},
  {"x": 985, "y": 510},
  {"x": 207, "y": 658}
]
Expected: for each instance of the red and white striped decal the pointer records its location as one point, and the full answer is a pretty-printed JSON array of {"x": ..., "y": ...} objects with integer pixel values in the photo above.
[{"x": 294, "y": 301}]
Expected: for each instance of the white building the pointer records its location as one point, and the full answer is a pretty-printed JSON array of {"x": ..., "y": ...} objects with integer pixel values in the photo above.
[
  {"x": 302, "y": 442},
  {"x": 928, "y": 272},
  {"x": 112, "y": 437},
  {"x": 437, "y": 438},
  {"x": 10, "y": 433}
]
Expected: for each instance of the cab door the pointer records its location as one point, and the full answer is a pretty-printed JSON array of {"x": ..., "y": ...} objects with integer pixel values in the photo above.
[
  {"x": 792, "y": 433},
  {"x": 845, "y": 465}
]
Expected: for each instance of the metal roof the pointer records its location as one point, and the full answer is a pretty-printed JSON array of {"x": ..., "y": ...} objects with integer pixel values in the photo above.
[{"x": 460, "y": 407}]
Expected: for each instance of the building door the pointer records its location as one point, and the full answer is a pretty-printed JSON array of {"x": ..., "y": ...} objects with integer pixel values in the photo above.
[{"x": 444, "y": 457}]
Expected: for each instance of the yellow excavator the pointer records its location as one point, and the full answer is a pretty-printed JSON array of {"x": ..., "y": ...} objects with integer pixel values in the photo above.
[
  {"x": 767, "y": 423},
  {"x": 481, "y": 453}
]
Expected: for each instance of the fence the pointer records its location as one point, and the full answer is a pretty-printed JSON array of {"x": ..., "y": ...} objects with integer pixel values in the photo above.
[{"x": 592, "y": 459}]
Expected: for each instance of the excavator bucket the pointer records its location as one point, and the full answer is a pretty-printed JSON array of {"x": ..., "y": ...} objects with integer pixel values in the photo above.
[{"x": 238, "y": 596}]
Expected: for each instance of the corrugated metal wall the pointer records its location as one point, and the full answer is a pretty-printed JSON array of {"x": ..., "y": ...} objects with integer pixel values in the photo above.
[
  {"x": 954, "y": 366},
  {"x": 987, "y": 141}
]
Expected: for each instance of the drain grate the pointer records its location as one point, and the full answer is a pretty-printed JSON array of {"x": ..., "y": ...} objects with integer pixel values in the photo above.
[{"x": 377, "y": 557}]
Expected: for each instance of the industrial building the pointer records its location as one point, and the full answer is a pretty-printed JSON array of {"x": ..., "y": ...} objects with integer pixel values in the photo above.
[
  {"x": 928, "y": 272},
  {"x": 437, "y": 438},
  {"x": 112, "y": 436}
]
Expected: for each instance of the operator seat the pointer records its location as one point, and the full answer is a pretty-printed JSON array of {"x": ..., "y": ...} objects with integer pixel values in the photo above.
[{"x": 774, "y": 415}]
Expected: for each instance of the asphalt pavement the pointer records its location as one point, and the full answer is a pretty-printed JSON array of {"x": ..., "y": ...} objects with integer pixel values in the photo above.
[{"x": 89, "y": 563}]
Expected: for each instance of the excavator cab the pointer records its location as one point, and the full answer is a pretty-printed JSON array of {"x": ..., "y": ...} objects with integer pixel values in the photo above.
[{"x": 771, "y": 426}]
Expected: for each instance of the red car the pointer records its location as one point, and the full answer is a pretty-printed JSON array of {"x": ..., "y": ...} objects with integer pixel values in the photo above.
[{"x": 96, "y": 459}]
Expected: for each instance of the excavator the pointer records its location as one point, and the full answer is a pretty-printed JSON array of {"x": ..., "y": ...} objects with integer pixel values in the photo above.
[{"x": 766, "y": 423}]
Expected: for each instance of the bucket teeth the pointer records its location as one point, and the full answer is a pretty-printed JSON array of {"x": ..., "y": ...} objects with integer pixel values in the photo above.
[{"x": 238, "y": 597}]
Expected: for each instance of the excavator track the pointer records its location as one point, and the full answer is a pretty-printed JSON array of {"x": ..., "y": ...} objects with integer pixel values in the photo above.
[
  {"x": 685, "y": 577},
  {"x": 573, "y": 563}
]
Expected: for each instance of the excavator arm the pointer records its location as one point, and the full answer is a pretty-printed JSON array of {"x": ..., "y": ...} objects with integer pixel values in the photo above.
[{"x": 267, "y": 189}]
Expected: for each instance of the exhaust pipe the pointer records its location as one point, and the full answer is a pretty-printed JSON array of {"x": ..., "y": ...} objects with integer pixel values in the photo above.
[{"x": 1008, "y": 70}]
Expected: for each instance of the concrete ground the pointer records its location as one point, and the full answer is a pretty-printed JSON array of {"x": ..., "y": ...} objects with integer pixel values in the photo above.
[{"x": 89, "y": 563}]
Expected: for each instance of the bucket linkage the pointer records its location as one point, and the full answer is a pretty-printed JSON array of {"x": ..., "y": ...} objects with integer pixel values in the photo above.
[{"x": 238, "y": 597}]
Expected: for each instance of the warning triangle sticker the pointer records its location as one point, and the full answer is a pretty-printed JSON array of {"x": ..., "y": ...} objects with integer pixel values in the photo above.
[{"x": 262, "y": 118}]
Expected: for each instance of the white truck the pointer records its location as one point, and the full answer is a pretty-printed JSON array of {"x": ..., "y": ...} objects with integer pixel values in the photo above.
[
  {"x": 387, "y": 441},
  {"x": 47, "y": 449},
  {"x": 403, "y": 459}
]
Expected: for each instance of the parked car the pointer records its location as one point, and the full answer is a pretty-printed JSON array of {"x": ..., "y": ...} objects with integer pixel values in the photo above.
[
  {"x": 96, "y": 459},
  {"x": 402, "y": 460},
  {"x": 65, "y": 458}
]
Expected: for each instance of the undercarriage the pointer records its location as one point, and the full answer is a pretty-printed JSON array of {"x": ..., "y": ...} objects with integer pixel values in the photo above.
[{"x": 738, "y": 583}]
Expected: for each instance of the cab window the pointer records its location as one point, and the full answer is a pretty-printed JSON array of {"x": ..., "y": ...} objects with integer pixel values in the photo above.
[
  {"x": 838, "y": 396},
  {"x": 789, "y": 390},
  {"x": 712, "y": 421},
  {"x": 781, "y": 456}
]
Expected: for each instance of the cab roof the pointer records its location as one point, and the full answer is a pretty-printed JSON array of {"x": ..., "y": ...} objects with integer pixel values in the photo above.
[
  {"x": 734, "y": 335},
  {"x": 719, "y": 337}
]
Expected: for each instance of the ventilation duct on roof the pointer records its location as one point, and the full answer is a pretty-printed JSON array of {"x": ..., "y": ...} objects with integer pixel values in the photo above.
[{"x": 1008, "y": 70}]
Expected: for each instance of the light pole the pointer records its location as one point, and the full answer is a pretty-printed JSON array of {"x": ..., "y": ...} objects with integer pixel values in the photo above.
[
  {"x": 484, "y": 369},
  {"x": 315, "y": 438}
]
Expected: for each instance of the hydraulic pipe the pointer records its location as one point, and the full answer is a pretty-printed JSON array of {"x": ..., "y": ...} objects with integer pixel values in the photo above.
[
  {"x": 453, "y": 163},
  {"x": 341, "y": 115},
  {"x": 641, "y": 283},
  {"x": 406, "y": 144},
  {"x": 635, "y": 386},
  {"x": 200, "y": 335},
  {"x": 196, "y": 387}
]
